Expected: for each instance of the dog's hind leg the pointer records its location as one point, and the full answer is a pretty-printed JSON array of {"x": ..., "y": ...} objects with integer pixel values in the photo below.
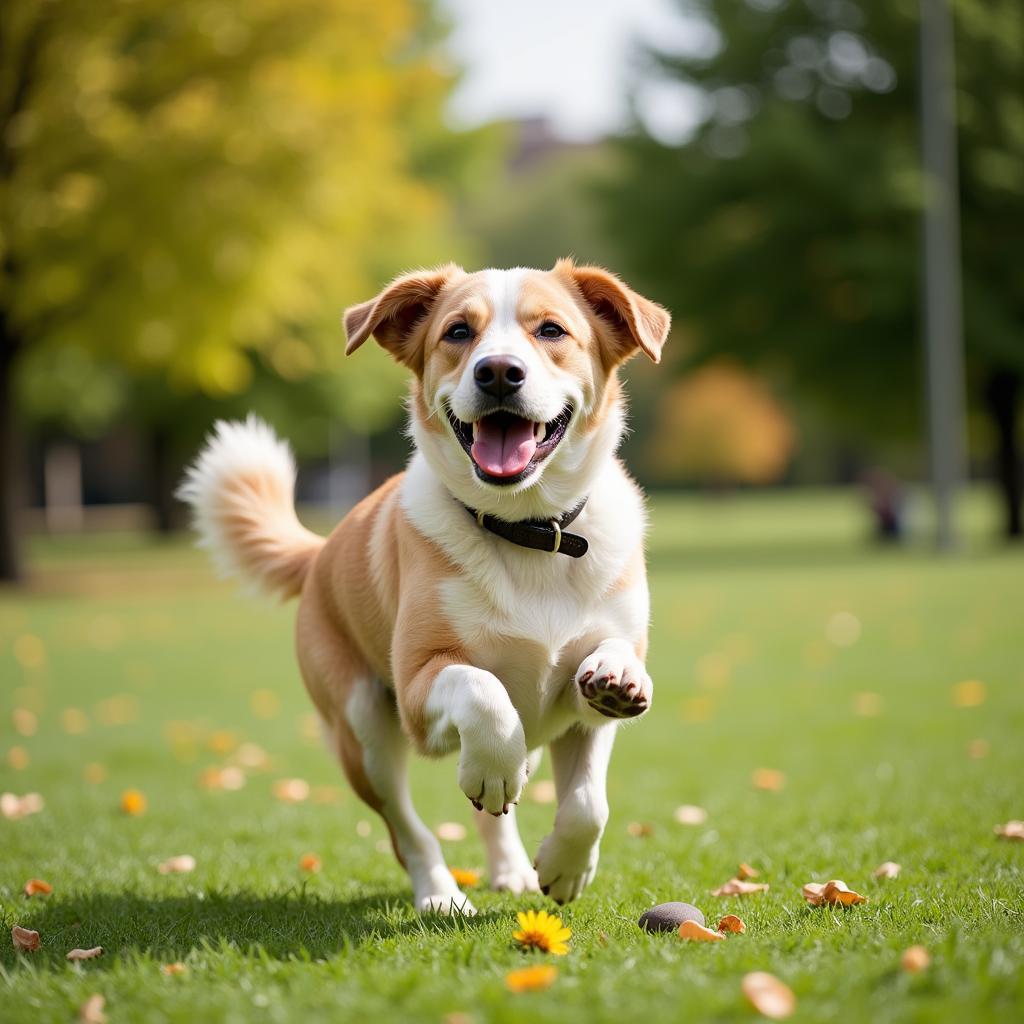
[{"x": 373, "y": 751}]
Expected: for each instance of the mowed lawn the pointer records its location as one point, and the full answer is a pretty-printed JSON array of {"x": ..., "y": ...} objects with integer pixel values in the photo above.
[{"x": 781, "y": 641}]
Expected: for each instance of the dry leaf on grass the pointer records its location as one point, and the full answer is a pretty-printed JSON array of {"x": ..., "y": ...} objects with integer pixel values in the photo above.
[
  {"x": 768, "y": 995},
  {"x": 1011, "y": 830},
  {"x": 310, "y": 862},
  {"x": 542, "y": 792},
  {"x": 37, "y": 887},
  {"x": 731, "y": 923},
  {"x": 969, "y": 694},
  {"x": 17, "y": 758},
  {"x": 834, "y": 892},
  {"x": 230, "y": 778},
  {"x": 25, "y": 940},
  {"x": 690, "y": 814},
  {"x": 738, "y": 887},
  {"x": 180, "y": 865},
  {"x": 768, "y": 779},
  {"x": 888, "y": 869},
  {"x": 175, "y": 968},
  {"x": 85, "y": 954},
  {"x": 291, "y": 791},
  {"x": 133, "y": 802},
  {"x": 640, "y": 829},
  {"x": 14, "y": 807},
  {"x": 465, "y": 877},
  {"x": 977, "y": 749},
  {"x": 451, "y": 831},
  {"x": 694, "y": 932},
  {"x": 915, "y": 959},
  {"x": 531, "y": 979},
  {"x": 746, "y": 871},
  {"x": 91, "y": 1011}
]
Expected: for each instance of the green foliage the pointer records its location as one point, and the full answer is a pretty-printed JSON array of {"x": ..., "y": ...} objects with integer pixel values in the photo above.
[
  {"x": 190, "y": 192},
  {"x": 786, "y": 231}
]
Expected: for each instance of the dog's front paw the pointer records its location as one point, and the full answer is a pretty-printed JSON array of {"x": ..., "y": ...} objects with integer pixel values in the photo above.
[
  {"x": 614, "y": 682},
  {"x": 446, "y": 905},
  {"x": 565, "y": 869},
  {"x": 492, "y": 768}
]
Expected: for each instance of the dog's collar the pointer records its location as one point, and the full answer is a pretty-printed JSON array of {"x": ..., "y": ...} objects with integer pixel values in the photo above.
[{"x": 539, "y": 534}]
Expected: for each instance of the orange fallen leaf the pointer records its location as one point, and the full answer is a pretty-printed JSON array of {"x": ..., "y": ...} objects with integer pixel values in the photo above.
[
  {"x": 640, "y": 829},
  {"x": 94, "y": 773},
  {"x": 833, "y": 892},
  {"x": 969, "y": 694},
  {"x": 180, "y": 865},
  {"x": 466, "y": 877},
  {"x": 14, "y": 807},
  {"x": 738, "y": 887},
  {"x": 37, "y": 887},
  {"x": 133, "y": 802},
  {"x": 250, "y": 755},
  {"x": 542, "y": 792},
  {"x": 769, "y": 996},
  {"x": 310, "y": 862},
  {"x": 25, "y": 940},
  {"x": 292, "y": 791},
  {"x": 746, "y": 871},
  {"x": 694, "y": 932},
  {"x": 915, "y": 959},
  {"x": 17, "y": 758},
  {"x": 768, "y": 779},
  {"x": 1011, "y": 830},
  {"x": 531, "y": 979},
  {"x": 91, "y": 1011},
  {"x": 977, "y": 749},
  {"x": 25, "y": 721},
  {"x": 690, "y": 814},
  {"x": 85, "y": 954},
  {"x": 175, "y": 968},
  {"x": 451, "y": 831},
  {"x": 223, "y": 741},
  {"x": 731, "y": 923},
  {"x": 888, "y": 869}
]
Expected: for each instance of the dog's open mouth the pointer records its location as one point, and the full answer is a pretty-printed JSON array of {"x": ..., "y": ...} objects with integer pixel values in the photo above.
[{"x": 506, "y": 448}]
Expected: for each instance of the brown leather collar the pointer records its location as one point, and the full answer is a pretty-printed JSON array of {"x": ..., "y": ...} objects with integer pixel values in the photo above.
[{"x": 539, "y": 534}]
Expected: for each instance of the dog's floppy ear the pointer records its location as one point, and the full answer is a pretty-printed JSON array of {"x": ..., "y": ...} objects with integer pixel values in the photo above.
[
  {"x": 634, "y": 323},
  {"x": 392, "y": 317}
]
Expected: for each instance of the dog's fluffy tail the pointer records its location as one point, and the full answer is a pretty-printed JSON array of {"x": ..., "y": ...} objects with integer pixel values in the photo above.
[{"x": 241, "y": 488}]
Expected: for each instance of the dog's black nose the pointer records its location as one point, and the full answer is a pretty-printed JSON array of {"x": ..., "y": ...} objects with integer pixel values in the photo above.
[{"x": 499, "y": 376}]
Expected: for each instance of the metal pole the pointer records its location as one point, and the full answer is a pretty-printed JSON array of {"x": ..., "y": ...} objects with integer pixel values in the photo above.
[{"x": 941, "y": 299}]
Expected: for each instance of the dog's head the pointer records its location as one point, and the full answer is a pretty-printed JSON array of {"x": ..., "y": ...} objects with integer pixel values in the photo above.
[{"x": 516, "y": 401}]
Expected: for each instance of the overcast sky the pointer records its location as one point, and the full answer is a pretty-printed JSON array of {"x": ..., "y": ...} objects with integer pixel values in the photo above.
[{"x": 567, "y": 60}]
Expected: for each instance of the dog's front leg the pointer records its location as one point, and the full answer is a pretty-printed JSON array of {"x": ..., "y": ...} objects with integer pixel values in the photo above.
[
  {"x": 469, "y": 707},
  {"x": 613, "y": 681},
  {"x": 567, "y": 858}
]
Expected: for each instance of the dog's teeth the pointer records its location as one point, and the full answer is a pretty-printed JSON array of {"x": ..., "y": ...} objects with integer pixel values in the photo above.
[
  {"x": 472, "y": 432},
  {"x": 538, "y": 431}
]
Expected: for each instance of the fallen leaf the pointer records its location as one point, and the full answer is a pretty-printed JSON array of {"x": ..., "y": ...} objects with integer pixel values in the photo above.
[
  {"x": 977, "y": 749},
  {"x": 888, "y": 869},
  {"x": 222, "y": 741},
  {"x": 74, "y": 721},
  {"x": 85, "y": 954},
  {"x": 17, "y": 758},
  {"x": 466, "y": 877},
  {"x": 694, "y": 932},
  {"x": 746, "y": 871},
  {"x": 133, "y": 802},
  {"x": 451, "y": 831},
  {"x": 310, "y": 862},
  {"x": 834, "y": 892},
  {"x": 915, "y": 959},
  {"x": 249, "y": 755},
  {"x": 37, "y": 887},
  {"x": 843, "y": 629},
  {"x": 731, "y": 923},
  {"x": 867, "y": 705},
  {"x": 531, "y": 979},
  {"x": 25, "y": 721},
  {"x": 292, "y": 791},
  {"x": 91, "y": 1011},
  {"x": 179, "y": 865},
  {"x": 25, "y": 940},
  {"x": 690, "y": 814},
  {"x": 768, "y": 779},
  {"x": 363, "y": 828},
  {"x": 769, "y": 996},
  {"x": 738, "y": 887},
  {"x": 175, "y": 968},
  {"x": 640, "y": 829},
  {"x": 969, "y": 694},
  {"x": 1011, "y": 830},
  {"x": 542, "y": 792},
  {"x": 94, "y": 773},
  {"x": 14, "y": 807}
]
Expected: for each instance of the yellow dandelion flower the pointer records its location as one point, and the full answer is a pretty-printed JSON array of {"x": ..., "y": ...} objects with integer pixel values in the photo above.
[
  {"x": 531, "y": 979},
  {"x": 541, "y": 930}
]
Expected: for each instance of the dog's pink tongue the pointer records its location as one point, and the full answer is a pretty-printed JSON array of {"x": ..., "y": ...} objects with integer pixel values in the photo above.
[{"x": 503, "y": 447}]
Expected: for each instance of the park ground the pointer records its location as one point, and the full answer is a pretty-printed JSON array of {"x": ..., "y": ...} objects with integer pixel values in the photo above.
[{"x": 886, "y": 686}]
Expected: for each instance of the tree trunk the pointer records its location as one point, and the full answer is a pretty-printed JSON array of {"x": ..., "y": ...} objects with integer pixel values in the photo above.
[
  {"x": 1003, "y": 395},
  {"x": 165, "y": 473},
  {"x": 11, "y": 493}
]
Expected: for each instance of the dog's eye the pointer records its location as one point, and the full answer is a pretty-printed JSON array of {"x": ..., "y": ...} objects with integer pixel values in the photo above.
[
  {"x": 550, "y": 330},
  {"x": 459, "y": 332}
]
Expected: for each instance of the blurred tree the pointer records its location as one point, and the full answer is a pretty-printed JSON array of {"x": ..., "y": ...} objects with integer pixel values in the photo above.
[
  {"x": 786, "y": 230},
  {"x": 190, "y": 192}
]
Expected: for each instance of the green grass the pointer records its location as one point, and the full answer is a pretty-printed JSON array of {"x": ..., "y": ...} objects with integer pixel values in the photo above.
[{"x": 745, "y": 677}]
